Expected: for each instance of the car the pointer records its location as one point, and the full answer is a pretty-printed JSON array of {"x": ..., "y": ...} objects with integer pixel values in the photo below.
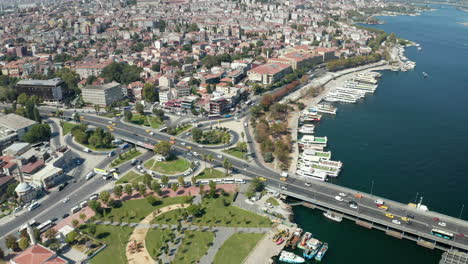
[
  {"x": 379, "y": 202},
  {"x": 308, "y": 184},
  {"x": 219, "y": 156},
  {"x": 263, "y": 179},
  {"x": 142, "y": 171},
  {"x": 396, "y": 222},
  {"x": 110, "y": 122},
  {"x": 339, "y": 198},
  {"x": 405, "y": 219},
  {"x": 66, "y": 200},
  {"x": 460, "y": 235},
  {"x": 65, "y": 216},
  {"x": 195, "y": 153},
  {"x": 54, "y": 219},
  {"x": 354, "y": 206},
  {"x": 187, "y": 134},
  {"x": 187, "y": 173},
  {"x": 189, "y": 147},
  {"x": 383, "y": 207},
  {"x": 148, "y": 131},
  {"x": 389, "y": 215},
  {"x": 183, "y": 143},
  {"x": 436, "y": 219},
  {"x": 342, "y": 194},
  {"x": 443, "y": 224},
  {"x": 357, "y": 195},
  {"x": 283, "y": 188},
  {"x": 151, "y": 133},
  {"x": 283, "y": 179}
]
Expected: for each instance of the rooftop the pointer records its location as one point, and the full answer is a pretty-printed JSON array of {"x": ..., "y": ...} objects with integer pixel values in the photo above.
[
  {"x": 15, "y": 122},
  {"x": 51, "y": 82},
  {"x": 102, "y": 87}
]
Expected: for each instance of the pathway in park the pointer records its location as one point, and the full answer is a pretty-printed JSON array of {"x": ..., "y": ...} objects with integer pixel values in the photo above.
[{"x": 141, "y": 229}]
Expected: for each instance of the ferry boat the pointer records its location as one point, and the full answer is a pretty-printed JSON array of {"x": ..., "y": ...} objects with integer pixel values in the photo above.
[
  {"x": 290, "y": 257},
  {"x": 326, "y": 108},
  {"x": 312, "y": 140},
  {"x": 313, "y": 246},
  {"x": 332, "y": 163},
  {"x": 315, "y": 153},
  {"x": 332, "y": 216},
  {"x": 295, "y": 238},
  {"x": 305, "y": 238},
  {"x": 309, "y": 117},
  {"x": 307, "y": 129},
  {"x": 322, "y": 252},
  {"x": 330, "y": 170}
]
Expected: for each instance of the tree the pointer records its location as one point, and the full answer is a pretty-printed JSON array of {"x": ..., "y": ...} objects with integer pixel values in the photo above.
[
  {"x": 212, "y": 185},
  {"x": 37, "y": 133},
  {"x": 97, "y": 108},
  {"x": 174, "y": 187},
  {"x": 151, "y": 199},
  {"x": 227, "y": 165},
  {"x": 96, "y": 206},
  {"x": 74, "y": 223},
  {"x": 150, "y": 93},
  {"x": 128, "y": 115},
  {"x": 140, "y": 108},
  {"x": 71, "y": 237},
  {"x": 165, "y": 180},
  {"x": 2, "y": 254},
  {"x": 156, "y": 67},
  {"x": 121, "y": 73},
  {"x": 104, "y": 197},
  {"x": 163, "y": 148},
  {"x": 10, "y": 242},
  {"x": 128, "y": 189},
  {"x": 242, "y": 146},
  {"x": 92, "y": 228},
  {"x": 23, "y": 243},
  {"x": 22, "y": 99},
  {"x": 194, "y": 209},
  {"x": 181, "y": 181},
  {"x": 210, "y": 159},
  {"x": 194, "y": 180},
  {"x": 51, "y": 233},
  {"x": 82, "y": 216},
  {"x": 118, "y": 190},
  {"x": 159, "y": 113},
  {"x": 155, "y": 186},
  {"x": 142, "y": 189},
  {"x": 197, "y": 134}
]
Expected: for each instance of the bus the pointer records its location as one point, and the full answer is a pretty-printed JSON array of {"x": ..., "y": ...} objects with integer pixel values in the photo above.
[
  {"x": 213, "y": 116},
  {"x": 100, "y": 171},
  {"x": 45, "y": 226},
  {"x": 442, "y": 234}
]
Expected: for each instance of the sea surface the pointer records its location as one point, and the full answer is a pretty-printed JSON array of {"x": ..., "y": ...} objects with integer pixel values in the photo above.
[{"x": 410, "y": 139}]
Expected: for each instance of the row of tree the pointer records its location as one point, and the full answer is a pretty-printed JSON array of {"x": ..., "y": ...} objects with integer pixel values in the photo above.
[
  {"x": 97, "y": 138},
  {"x": 340, "y": 64},
  {"x": 211, "y": 136}
]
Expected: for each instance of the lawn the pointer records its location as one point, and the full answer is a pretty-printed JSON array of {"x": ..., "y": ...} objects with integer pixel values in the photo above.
[
  {"x": 116, "y": 239},
  {"x": 125, "y": 157},
  {"x": 67, "y": 127},
  {"x": 139, "y": 119},
  {"x": 273, "y": 201},
  {"x": 136, "y": 210},
  {"x": 236, "y": 153},
  {"x": 130, "y": 177},
  {"x": 210, "y": 174},
  {"x": 168, "y": 167},
  {"x": 176, "y": 131},
  {"x": 194, "y": 245},
  {"x": 156, "y": 239},
  {"x": 154, "y": 122},
  {"x": 217, "y": 214},
  {"x": 96, "y": 149},
  {"x": 237, "y": 248}
]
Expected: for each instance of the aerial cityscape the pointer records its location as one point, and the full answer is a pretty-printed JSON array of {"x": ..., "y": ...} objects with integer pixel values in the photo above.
[{"x": 233, "y": 131}]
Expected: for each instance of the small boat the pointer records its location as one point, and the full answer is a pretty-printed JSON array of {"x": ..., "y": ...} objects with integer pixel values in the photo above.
[
  {"x": 313, "y": 246},
  {"x": 279, "y": 241},
  {"x": 290, "y": 257},
  {"x": 305, "y": 238},
  {"x": 425, "y": 74},
  {"x": 333, "y": 216},
  {"x": 322, "y": 252},
  {"x": 295, "y": 238}
]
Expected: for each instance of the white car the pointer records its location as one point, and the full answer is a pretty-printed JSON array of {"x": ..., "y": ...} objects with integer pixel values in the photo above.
[
  {"x": 342, "y": 194},
  {"x": 442, "y": 224},
  {"x": 66, "y": 200},
  {"x": 142, "y": 171},
  {"x": 353, "y": 206},
  {"x": 182, "y": 143},
  {"x": 339, "y": 198},
  {"x": 307, "y": 184},
  {"x": 187, "y": 173},
  {"x": 396, "y": 222},
  {"x": 283, "y": 188},
  {"x": 151, "y": 133},
  {"x": 219, "y": 156}
]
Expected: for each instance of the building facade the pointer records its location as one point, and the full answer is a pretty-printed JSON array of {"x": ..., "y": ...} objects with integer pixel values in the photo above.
[
  {"x": 51, "y": 90},
  {"x": 103, "y": 95}
]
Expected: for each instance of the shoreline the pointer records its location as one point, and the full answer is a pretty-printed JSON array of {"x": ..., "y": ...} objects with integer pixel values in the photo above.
[{"x": 463, "y": 23}]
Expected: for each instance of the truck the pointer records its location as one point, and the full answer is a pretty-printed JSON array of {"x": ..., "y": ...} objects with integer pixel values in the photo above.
[{"x": 86, "y": 150}]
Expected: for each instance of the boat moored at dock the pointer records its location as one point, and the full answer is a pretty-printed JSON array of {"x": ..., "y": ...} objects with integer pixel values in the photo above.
[
  {"x": 332, "y": 216},
  {"x": 290, "y": 257},
  {"x": 322, "y": 252}
]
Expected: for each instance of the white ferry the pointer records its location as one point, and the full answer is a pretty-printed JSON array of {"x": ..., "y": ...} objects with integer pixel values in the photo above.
[
  {"x": 315, "y": 153},
  {"x": 326, "y": 108},
  {"x": 331, "y": 163},
  {"x": 289, "y": 257},
  {"x": 308, "y": 140},
  {"x": 307, "y": 129},
  {"x": 330, "y": 170},
  {"x": 333, "y": 216}
]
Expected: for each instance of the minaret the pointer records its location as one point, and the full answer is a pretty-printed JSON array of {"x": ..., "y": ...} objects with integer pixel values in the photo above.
[{"x": 32, "y": 239}]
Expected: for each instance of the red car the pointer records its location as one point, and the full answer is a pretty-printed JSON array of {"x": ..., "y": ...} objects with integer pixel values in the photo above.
[{"x": 436, "y": 219}]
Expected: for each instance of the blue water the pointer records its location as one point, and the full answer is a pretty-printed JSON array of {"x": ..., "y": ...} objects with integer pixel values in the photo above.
[{"x": 409, "y": 137}]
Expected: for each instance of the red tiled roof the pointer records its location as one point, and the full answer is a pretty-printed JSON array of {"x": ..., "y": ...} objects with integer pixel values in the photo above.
[
  {"x": 36, "y": 254},
  {"x": 56, "y": 260},
  {"x": 28, "y": 168},
  {"x": 270, "y": 68}
]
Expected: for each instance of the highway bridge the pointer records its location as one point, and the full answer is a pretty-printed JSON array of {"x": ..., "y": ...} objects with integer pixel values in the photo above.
[{"x": 321, "y": 195}]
